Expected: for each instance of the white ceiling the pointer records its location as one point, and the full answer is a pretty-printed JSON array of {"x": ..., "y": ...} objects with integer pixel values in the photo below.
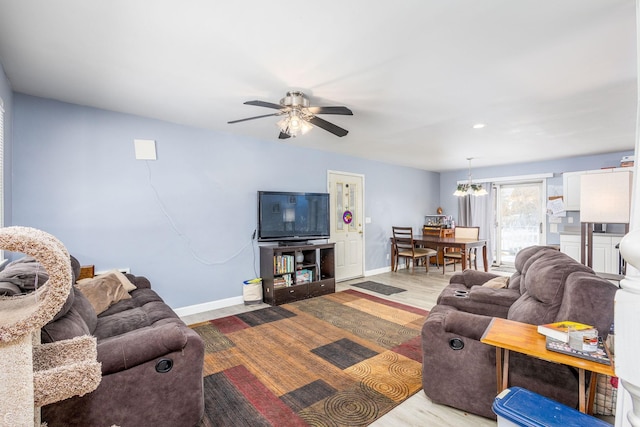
[{"x": 550, "y": 78}]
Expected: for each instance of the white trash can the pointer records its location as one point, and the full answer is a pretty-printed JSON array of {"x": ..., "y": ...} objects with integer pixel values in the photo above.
[{"x": 252, "y": 291}]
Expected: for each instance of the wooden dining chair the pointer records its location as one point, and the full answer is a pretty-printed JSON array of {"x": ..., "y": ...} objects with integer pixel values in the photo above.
[
  {"x": 405, "y": 247},
  {"x": 471, "y": 254}
]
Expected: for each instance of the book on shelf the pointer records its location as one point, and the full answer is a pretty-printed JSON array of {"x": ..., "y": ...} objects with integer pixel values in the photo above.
[
  {"x": 601, "y": 354},
  {"x": 282, "y": 281},
  {"x": 283, "y": 264},
  {"x": 560, "y": 330},
  {"x": 304, "y": 276}
]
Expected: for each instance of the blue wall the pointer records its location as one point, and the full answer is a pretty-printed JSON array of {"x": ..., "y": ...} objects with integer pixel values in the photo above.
[{"x": 185, "y": 220}]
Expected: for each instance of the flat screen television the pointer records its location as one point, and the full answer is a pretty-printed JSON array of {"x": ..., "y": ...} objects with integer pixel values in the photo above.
[{"x": 292, "y": 217}]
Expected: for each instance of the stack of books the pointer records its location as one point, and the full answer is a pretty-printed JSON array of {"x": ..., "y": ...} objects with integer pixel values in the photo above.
[
  {"x": 560, "y": 330},
  {"x": 557, "y": 339},
  {"x": 282, "y": 281}
]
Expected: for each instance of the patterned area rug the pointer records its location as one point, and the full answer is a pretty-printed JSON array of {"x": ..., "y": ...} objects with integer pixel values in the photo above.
[
  {"x": 343, "y": 359},
  {"x": 379, "y": 287}
]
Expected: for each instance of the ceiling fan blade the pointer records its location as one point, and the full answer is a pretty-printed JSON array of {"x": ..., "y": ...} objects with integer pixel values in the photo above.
[
  {"x": 331, "y": 110},
  {"x": 256, "y": 117},
  {"x": 265, "y": 104},
  {"x": 321, "y": 123},
  {"x": 283, "y": 135}
]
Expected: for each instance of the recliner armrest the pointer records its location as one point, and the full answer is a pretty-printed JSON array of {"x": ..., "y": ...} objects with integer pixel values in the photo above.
[
  {"x": 471, "y": 278},
  {"x": 503, "y": 297},
  {"x": 467, "y": 325},
  {"x": 141, "y": 345}
]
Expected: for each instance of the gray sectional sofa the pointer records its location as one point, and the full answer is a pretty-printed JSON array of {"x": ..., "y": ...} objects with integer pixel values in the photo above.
[
  {"x": 151, "y": 361},
  {"x": 548, "y": 286}
]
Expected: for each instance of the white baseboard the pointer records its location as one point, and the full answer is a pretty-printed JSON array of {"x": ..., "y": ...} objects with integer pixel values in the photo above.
[
  {"x": 208, "y": 306},
  {"x": 228, "y": 302},
  {"x": 377, "y": 271}
]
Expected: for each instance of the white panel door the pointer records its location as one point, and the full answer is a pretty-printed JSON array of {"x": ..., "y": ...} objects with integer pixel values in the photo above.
[{"x": 347, "y": 231}]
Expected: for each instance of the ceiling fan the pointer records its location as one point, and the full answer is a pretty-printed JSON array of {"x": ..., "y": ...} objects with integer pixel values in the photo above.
[{"x": 299, "y": 116}]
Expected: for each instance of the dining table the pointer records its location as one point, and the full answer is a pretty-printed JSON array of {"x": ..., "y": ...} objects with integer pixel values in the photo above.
[{"x": 440, "y": 243}]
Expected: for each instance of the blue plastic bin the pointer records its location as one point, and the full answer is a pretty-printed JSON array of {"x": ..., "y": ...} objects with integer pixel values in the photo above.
[{"x": 517, "y": 406}]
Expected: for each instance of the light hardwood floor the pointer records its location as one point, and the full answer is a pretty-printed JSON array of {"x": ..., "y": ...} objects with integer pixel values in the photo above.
[{"x": 422, "y": 291}]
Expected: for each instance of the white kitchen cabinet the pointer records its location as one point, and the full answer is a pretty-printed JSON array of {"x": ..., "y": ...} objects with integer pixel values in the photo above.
[
  {"x": 614, "y": 254},
  {"x": 570, "y": 245},
  {"x": 602, "y": 254},
  {"x": 571, "y": 190},
  {"x": 605, "y": 254}
]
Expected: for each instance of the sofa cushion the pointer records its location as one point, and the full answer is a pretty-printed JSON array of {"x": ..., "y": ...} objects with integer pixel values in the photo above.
[
  {"x": 145, "y": 308},
  {"x": 593, "y": 307},
  {"x": 69, "y": 326},
  {"x": 523, "y": 260},
  {"x": 497, "y": 282},
  {"x": 543, "y": 285},
  {"x": 139, "y": 297},
  {"x": 103, "y": 291},
  {"x": 85, "y": 309},
  {"x": 66, "y": 306},
  {"x": 80, "y": 319},
  {"x": 121, "y": 323}
]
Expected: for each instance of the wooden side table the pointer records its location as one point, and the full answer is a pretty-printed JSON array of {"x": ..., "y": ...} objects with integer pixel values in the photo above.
[{"x": 507, "y": 335}]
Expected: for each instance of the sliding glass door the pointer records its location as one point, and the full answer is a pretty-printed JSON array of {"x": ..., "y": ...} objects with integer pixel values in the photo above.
[{"x": 519, "y": 213}]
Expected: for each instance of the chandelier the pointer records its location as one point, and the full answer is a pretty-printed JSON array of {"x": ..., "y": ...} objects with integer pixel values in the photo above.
[{"x": 469, "y": 187}]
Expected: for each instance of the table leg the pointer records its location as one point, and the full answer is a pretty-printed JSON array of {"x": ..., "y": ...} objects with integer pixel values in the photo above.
[
  {"x": 463, "y": 258},
  {"x": 499, "y": 368},
  {"x": 593, "y": 382},
  {"x": 393, "y": 257},
  {"x": 505, "y": 370},
  {"x": 484, "y": 257},
  {"x": 581, "y": 393}
]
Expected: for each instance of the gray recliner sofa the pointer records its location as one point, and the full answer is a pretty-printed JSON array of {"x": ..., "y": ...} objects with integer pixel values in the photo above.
[
  {"x": 152, "y": 363},
  {"x": 548, "y": 286}
]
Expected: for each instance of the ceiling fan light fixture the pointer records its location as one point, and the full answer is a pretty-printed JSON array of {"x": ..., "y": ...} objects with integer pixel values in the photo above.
[
  {"x": 297, "y": 117},
  {"x": 293, "y": 124},
  {"x": 295, "y": 121},
  {"x": 295, "y": 99}
]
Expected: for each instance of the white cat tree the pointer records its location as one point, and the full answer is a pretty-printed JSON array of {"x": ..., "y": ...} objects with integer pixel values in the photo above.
[{"x": 33, "y": 374}]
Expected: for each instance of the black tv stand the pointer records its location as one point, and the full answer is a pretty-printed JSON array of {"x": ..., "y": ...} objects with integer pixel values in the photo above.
[
  {"x": 293, "y": 243},
  {"x": 297, "y": 271},
  {"x": 287, "y": 243}
]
